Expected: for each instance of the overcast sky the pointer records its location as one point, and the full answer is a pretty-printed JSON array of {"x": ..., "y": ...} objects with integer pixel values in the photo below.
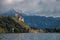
[{"x": 32, "y": 7}]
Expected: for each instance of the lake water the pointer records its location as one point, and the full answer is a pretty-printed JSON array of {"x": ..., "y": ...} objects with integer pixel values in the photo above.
[{"x": 30, "y": 36}]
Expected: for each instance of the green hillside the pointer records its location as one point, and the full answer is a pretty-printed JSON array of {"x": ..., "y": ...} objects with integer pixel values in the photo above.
[{"x": 10, "y": 24}]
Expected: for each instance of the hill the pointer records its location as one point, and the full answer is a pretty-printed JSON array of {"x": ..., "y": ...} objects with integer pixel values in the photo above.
[
  {"x": 7, "y": 23},
  {"x": 36, "y": 21},
  {"x": 10, "y": 24}
]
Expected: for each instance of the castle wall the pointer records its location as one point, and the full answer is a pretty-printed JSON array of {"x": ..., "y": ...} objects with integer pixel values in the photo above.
[{"x": 21, "y": 19}]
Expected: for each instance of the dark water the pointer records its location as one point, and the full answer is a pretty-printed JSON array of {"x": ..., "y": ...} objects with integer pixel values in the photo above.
[{"x": 31, "y": 36}]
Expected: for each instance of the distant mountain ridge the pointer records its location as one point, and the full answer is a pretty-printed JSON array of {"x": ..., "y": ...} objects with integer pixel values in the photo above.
[
  {"x": 42, "y": 22},
  {"x": 11, "y": 13},
  {"x": 37, "y": 21}
]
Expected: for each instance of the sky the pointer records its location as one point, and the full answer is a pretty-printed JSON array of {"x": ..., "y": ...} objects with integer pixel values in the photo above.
[{"x": 32, "y": 7}]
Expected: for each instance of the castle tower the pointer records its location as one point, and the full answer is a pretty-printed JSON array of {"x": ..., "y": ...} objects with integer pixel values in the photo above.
[
  {"x": 17, "y": 15},
  {"x": 21, "y": 19}
]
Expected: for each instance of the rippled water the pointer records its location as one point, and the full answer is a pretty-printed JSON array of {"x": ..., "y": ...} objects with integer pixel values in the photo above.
[{"x": 30, "y": 36}]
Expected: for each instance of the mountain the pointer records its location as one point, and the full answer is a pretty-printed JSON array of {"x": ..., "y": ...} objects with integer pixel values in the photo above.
[
  {"x": 11, "y": 13},
  {"x": 10, "y": 24},
  {"x": 42, "y": 22},
  {"x": 37, "y": 21}
]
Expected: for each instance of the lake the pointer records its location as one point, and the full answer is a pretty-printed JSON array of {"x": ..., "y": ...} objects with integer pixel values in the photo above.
[{"x": 30, "y": 36}]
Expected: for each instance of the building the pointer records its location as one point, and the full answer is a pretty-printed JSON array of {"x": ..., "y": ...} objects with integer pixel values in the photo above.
[{"x": 19, "y": 17}]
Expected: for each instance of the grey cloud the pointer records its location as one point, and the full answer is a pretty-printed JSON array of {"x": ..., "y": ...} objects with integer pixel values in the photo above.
[{"x": 35, "y": 7}]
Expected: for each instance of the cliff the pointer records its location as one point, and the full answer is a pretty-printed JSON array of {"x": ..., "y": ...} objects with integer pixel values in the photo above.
[{"x": 10, "y": 24}]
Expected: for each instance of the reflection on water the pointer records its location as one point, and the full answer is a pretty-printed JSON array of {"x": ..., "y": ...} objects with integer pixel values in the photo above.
[{"x": 30, "y": 36}]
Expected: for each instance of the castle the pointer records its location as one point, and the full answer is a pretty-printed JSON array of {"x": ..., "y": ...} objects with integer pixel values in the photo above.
[{"x": 20, "y": 17}]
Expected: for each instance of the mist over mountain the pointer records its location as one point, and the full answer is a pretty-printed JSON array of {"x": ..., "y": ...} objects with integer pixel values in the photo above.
[
  {"x": 37, "y": 21},
  {"x": 11, "y": 12}
]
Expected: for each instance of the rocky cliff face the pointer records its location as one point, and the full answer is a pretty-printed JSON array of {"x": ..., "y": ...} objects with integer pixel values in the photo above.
[{"x": 7, "y": 23}]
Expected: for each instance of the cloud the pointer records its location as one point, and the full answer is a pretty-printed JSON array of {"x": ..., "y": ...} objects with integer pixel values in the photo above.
[{"x": 34, "y": 7}]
